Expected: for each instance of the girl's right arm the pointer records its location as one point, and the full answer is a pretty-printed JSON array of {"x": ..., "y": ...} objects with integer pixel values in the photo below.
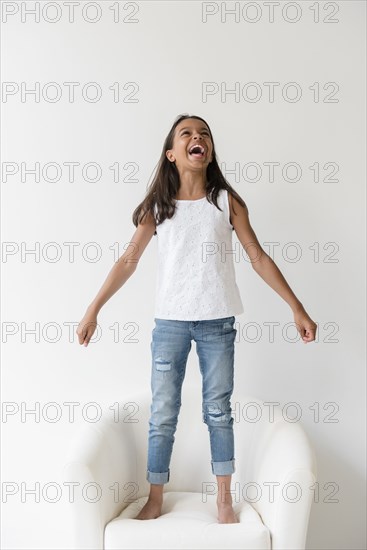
[{"x": 117, "y": 277}]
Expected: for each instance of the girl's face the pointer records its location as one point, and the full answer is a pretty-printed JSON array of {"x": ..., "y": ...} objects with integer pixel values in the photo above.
[{"x": 191, "y": 132}]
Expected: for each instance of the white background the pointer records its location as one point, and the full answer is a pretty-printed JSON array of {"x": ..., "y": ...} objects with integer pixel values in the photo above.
[{"x": 169, "y": 52}]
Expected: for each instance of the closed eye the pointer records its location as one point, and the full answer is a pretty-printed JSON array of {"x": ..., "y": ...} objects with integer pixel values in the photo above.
[{"x": 186, "y": 132}]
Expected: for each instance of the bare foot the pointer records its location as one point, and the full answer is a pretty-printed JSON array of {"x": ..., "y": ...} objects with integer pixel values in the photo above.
[
  {"x": 151, "y": 510},
  {"x": 226, "y": 513}
]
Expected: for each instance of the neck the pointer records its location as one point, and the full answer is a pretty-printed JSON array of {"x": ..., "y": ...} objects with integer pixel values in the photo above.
[{"x": 192, "y": 183}]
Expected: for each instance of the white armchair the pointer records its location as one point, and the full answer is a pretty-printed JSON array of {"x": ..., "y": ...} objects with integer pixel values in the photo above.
[{"x": 271, "y": 487}]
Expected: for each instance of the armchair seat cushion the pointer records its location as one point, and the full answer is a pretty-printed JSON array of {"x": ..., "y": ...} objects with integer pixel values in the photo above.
[{"x": 188, "y": 520}]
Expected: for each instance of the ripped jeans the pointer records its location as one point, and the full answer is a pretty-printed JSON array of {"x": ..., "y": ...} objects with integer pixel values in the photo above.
[{"x": 170, "y": 346}]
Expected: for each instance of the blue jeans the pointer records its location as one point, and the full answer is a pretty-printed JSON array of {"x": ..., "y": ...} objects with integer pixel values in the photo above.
[{"x": 170, "y": 346}]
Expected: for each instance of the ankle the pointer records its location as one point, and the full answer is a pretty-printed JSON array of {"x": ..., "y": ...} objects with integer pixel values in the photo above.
[
  {"x": 156, "y": 493},
  {"x": 224, "y": 501},
  {"x": 155, "y": 498}
]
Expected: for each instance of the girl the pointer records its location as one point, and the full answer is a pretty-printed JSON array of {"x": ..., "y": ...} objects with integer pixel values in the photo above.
[{"x": 193, "y": 210}]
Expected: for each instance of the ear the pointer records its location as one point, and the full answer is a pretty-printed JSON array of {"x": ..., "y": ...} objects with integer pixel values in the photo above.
[{"x": 169, "y": 155}]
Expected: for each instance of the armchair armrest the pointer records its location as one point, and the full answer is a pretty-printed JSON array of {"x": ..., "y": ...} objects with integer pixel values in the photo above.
[
  {"x": 283, "y": 466},
  {"x": 101, "y": 464}
]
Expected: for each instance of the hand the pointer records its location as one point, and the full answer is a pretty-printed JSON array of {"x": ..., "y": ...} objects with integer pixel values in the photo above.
[
  {"x": 86, "y": 327},
  {"x": 305, "y": 326}
]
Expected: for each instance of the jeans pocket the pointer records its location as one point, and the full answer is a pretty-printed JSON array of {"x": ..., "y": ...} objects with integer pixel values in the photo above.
[{"x": 228, "y": 329}]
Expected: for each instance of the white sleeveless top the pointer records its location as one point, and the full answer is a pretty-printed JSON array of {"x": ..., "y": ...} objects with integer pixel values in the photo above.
[{"x": 196, "y": 276}]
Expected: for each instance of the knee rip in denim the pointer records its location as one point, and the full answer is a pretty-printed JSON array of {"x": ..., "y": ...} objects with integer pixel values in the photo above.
[
  {"x": 162, "y": 364},
  {"x": 215, "y": 412}
]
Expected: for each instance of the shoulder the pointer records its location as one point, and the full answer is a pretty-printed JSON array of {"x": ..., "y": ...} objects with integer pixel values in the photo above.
[{"x": 235, "y": 207}]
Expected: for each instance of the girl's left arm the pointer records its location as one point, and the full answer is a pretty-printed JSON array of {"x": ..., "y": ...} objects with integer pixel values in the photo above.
[{"x": 267, "y": 269}]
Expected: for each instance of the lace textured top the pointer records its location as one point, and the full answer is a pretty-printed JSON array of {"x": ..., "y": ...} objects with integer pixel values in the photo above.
[{"x": 196, "y": 277}]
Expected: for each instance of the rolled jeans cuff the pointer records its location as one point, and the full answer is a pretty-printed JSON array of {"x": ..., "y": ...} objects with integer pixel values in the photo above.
[
  {"x": 158, "y": 478},
  {"x": 223, "y": 468}
]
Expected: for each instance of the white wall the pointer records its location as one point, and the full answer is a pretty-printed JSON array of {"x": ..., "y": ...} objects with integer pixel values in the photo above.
[{"x": 169, "y": 52}]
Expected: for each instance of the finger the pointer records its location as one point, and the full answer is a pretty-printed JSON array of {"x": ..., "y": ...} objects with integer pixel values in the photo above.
[
  {"x": 309, "y": 337},
  {"x": 84, "y": 338},
  {"x": 88, "y": 336}
]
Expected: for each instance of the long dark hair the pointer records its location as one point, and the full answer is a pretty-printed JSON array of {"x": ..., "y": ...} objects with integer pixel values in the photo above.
[{"x": 166, "y": 183}]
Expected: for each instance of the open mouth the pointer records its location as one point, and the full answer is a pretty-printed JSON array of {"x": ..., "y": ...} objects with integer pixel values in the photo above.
[{"x": 197, "y": 151}]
